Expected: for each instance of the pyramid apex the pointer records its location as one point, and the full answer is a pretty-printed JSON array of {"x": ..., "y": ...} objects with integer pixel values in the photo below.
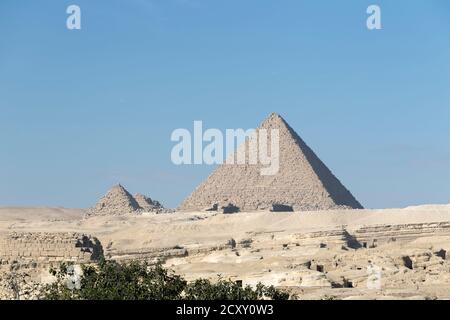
[
  {"x": 118, "y": 186},
  {"x": 274, "y": 115},
  {"x": 274, "y": 119}
]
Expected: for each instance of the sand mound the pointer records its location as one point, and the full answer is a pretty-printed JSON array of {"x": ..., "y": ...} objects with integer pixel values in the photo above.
[{"x": 303, "y": 182}]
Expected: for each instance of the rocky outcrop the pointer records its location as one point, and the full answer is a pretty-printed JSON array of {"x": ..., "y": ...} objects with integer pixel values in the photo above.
[
  {"x": 37, "y": 249},
  {"x": 329, "y": 255}
]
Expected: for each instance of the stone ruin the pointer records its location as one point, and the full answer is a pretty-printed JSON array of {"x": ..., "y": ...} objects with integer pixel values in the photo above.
[
  {"x": 303, "y": 182},
  {"x": 118, "y": 201},
  {"x": 25, "y": 258},
  {"x": 38, "y": 249}
]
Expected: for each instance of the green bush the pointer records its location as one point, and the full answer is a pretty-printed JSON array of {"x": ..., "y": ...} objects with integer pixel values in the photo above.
[
  {"x": 110, "y": 280},
  {"x": 203, "y": 289}
]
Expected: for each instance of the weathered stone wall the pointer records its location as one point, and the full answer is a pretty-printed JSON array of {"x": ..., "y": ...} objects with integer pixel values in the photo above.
[
  {"x": 376, "y": 235},
  {"x": 147, "y": 254},
  {"x": 39, "y": 249}
]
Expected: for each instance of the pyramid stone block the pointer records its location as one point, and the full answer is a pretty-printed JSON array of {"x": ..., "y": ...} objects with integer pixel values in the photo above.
[
  {"x": 116, "y": 201},
  {"x": 302, "y": 183}
]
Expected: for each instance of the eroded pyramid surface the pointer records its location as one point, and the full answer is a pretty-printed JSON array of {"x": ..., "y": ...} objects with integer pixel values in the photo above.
[
  {"x": 302, "y": 183},
  {"x": 115, "y": 202}
]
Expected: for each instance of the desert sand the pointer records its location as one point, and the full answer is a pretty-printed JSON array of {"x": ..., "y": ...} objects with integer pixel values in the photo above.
[{"x": 317, "y": 255}]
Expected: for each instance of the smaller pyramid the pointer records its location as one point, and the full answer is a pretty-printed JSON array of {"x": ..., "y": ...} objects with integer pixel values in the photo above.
[
  {"x": 147, "y": 204},
  {"x": 116, "y": 201}
]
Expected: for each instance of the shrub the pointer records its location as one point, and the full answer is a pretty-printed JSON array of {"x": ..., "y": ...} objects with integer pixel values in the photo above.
[
  {"x": 110, "y": 280},
  {"x": 203, "y": 289}
]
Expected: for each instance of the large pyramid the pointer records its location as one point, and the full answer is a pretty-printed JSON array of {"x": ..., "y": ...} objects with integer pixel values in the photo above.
[{"x": 302, "y": 183}]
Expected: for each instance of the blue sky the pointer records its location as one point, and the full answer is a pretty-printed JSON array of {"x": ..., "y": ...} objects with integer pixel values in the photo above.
[{"x": 81, "y": 110}]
